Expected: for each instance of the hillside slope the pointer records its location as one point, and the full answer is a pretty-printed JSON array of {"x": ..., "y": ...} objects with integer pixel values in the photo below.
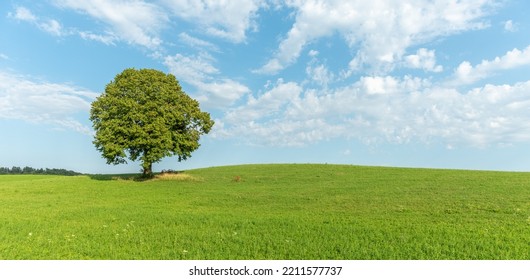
[{"x": 282, "y": 211}]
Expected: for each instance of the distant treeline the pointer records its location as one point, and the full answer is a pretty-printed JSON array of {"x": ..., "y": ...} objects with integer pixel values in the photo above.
[{"x": 42, "y": 171}]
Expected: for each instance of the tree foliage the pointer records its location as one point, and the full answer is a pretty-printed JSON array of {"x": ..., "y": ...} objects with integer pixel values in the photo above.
[
  {"x": 144, "y": 115},
  {"x": 41, "y": 171}
]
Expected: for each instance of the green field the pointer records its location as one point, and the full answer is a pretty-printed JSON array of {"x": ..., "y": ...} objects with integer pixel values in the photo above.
[{"x": 297, "y": 211}]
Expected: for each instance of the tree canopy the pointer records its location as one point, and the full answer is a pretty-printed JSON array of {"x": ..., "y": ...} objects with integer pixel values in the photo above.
[
  {"x": 40, "y": 171},
  {"x": 145, "y": 115}
]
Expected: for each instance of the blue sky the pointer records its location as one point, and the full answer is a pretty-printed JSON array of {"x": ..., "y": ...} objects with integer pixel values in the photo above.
[{"x": 442, "y": 84}]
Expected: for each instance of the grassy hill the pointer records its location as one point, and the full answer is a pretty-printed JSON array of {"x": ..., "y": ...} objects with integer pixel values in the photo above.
[{"x": 293, "y": 211}]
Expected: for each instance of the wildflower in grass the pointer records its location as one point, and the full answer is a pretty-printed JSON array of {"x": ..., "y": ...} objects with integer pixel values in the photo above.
[
  {"x": 30, "y": 234},
  {"x": 69, "y": 237}
]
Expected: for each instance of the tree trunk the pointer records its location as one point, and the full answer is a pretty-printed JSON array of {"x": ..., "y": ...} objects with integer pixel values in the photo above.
[{"x": 148, "y": 170}]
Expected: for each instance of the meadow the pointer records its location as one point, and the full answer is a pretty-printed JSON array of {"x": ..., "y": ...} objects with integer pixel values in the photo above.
[{"x": 294, "y": 211}]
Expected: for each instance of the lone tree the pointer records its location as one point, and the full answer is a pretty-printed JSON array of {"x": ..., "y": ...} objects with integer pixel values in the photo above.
[{"x": 144, "y": 115}]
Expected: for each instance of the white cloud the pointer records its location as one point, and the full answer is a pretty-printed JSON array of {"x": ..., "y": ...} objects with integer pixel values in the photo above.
[
  {"x": 319, "y": 74},
  {"x": 423, "y": 59},
  {"x": 466, "y": 73},
  {"x": 50, "y": 26},
  {"x": 22, "y": 98},
  {"x": 4, "y": 56},
  {"x": 510, "y": 26},
  {"x": 225, "y": 19},
  {"x": 22, "y": 13},
  {"x": 313, "y": 53},
  {"x": 270, "y": 103},
  {"x": 378, "y": 106},
  {"x": 273, "y": 66},
  {"x": 380, "y": 31},
  {"x": 280, "y": 116},
  {"x": 378, "y": 85},
  {"x": 134, "y": 21},
  {"x": 220, "y": 93},
  {"x": 190, "y": 69},
  {"x": 107, "y": 39},
  {"x": 140, "y": 22},
  {"x": 197, "y": 43},
  {"x": 198, "y": 71},
  {"x": 55, "y": 28},
  {"x": 383, "y": 109}
]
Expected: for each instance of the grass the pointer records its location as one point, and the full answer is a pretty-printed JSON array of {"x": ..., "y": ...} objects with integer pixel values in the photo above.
[{"x": 269, "y": 212}]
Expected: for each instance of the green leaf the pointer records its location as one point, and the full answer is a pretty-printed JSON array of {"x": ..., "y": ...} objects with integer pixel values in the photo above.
[{"x": 144, "y": 115}]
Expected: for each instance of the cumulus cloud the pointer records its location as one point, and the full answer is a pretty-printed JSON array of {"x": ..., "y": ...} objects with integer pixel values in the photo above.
[
  {"x": 270, "y": 103},
  {"x": 211, "y": 90},
  {"x": 379, "y": 31},
  {"x": 268, "y": 119},
  {"x": 423, "y": 59},
  {"x": 22, "y": 13},
  {"x": 466, "y": 73},
  {"x": 136, "y": 22},
  {"x": 190, "y": 69},
  {"x": 225, "y": 19},
  {"x": 510, "y": 26},
  {"x": 319, "y": 73},
  {"x": 377, "y": 105},
  {"x": 50, "y": 26},
  {"x": 383, "y": 109},
  {"x": 220, "y": 93},
  {"x": 33, "y": 101},
  {"x": 140, "y": 22}
]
